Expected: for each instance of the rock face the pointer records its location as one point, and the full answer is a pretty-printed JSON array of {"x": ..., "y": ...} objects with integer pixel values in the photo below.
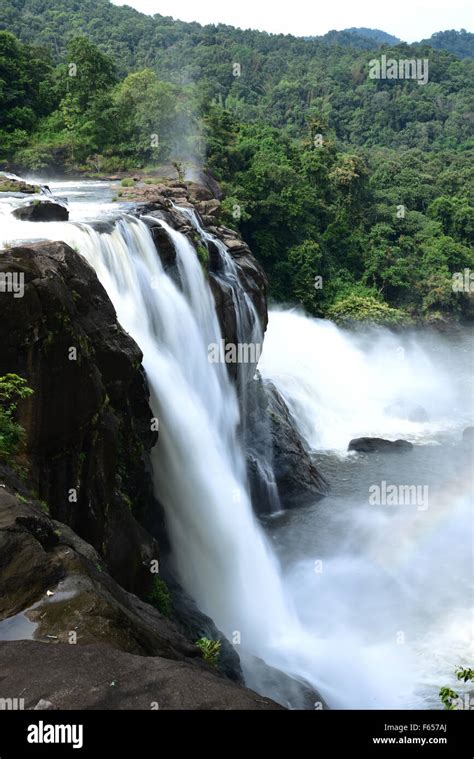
[
  {"x": 88, "y": 423},
  {"x": 299, "y": 481},
  {"x": 160, "y": 201},
  {"x": 274, "y": 438},
  {"x": 97, "y": 677},
  {"x": 73, "y": 638},
  {"x": 42, "y": 210},
  {"x": 378, "y": 444}
]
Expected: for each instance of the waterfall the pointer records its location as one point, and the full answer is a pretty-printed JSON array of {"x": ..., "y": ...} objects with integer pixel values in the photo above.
[
  {"x": 248, "y": 331},
  {"x": 221, "y": 554}
]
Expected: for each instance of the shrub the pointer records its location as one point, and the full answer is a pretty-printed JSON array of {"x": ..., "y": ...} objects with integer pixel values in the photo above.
[
  {"x": 210, "y": 650},
  {"x": 12, "y": 390},
  {"x": 449, "y": 697},
  {"x": 360, "y": 308},
  {"x": 127, "y": 182},
  {"x": 160, "y": 597}
]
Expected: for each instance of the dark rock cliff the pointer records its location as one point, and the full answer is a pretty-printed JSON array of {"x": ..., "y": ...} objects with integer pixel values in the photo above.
[{"x": 88, "y": 422}]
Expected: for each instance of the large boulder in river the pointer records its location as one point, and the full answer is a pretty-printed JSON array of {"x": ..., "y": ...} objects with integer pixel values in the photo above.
[
  {"x": 88, "y": 422},
  {"x": 42, "y": 210},
  {"x": 378, "y": 444}
]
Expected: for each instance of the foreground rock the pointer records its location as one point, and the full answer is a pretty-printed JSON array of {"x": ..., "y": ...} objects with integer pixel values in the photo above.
[
  {"x": 91, "y": 643},
  {"x": 378, "y": 444},
  {"x": 88, "y": 422},
  {"x": 42, "y": 210},
  {"x": 97, "y": 677}
]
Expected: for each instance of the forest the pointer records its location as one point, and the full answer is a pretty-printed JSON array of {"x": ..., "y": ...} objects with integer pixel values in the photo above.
[{"x": 354, "y": 193}]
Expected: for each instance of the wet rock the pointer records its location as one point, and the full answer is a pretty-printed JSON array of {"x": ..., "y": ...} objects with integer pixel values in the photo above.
[
  {"x": 273, "y": 433},
  {"x": 378, "y": 444},
  {"x": 42, "y": 210}
]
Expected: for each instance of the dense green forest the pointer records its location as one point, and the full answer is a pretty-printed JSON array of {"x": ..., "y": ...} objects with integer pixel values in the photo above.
[{"x": 363, "y": 183}]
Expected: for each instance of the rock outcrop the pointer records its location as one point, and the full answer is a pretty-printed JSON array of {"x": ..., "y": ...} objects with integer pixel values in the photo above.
[
  {"x": 88, "y": 422},
  {"x": 71, "y": 637}
]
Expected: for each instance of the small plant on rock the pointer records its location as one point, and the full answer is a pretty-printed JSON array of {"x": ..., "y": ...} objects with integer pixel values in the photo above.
[
  {"x": 210, "y": 650},
  {"x": 160, "y": 597}
]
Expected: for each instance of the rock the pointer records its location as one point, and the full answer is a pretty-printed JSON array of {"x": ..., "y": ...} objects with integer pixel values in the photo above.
[
  {"x": 195, "y": 625},
  {"x": 378, "y": 444},
  {"x": 42, "y": 210},
  {"x": 98, "y": 677},
  {"x": 284, "y": 689},
  {"x": 91, "y": 626},
  {"x": 273, "y": 435},
  {"x": 211, "y": 208},
  {"x": 11, "y": 185},
  {"x": 404, "y": 410},
  {"x": 95, "y": 437},
  {"x": 43, "y": 705}
]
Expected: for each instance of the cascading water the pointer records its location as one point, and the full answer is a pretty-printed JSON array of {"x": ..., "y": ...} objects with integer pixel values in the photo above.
[{"x": 249, "y": 331}]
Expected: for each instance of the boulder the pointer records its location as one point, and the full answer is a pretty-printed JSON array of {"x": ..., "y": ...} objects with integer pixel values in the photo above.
[
  {"x": 378, "y": 444},
  {"x": 42, "y": 210}
]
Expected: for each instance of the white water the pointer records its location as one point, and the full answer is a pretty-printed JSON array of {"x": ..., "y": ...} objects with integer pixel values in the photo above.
[
  {"x": 339, "y": 385},
  {"x": 394, "y": 591}
]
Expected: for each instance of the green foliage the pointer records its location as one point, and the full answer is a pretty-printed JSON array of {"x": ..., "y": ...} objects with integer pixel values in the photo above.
[
  {"x": 317, "y": 157},
  {"x": 160, "y": 597},
  {"x": 449, "y": 697},
  {"x": 210, "y": 650},
  {"x": 127, "y": 182},
  {"x": 357, "y": 308},
  {"x": 12, "y": 390}
]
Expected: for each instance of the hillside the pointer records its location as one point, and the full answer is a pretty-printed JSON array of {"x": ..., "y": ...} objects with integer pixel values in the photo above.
[{"x": 327, "y": 172}]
